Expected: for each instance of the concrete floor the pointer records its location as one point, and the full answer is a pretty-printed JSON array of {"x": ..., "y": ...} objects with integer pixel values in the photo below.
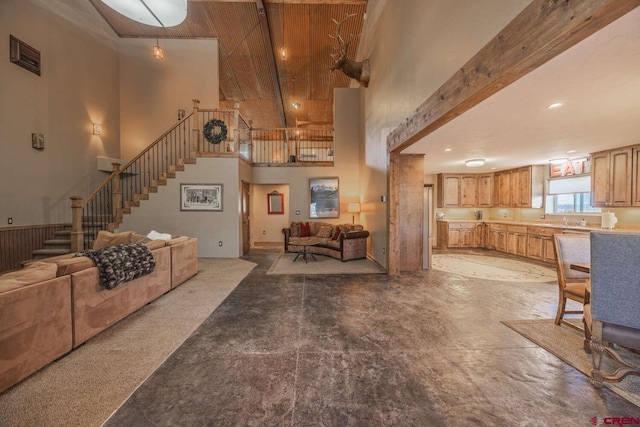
[{"x": 422, "y": 349}]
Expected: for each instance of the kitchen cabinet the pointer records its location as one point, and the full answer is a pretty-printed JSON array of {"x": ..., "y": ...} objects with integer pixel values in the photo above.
[
  {"x": 468, "y": 190},
  {"x": 530, "y": 187},
  {"x": 517, "y": 240},
  {"x": 540, "y": 243},
  {"x": 462, "y": 235},
  {"x": 497, "y": 237},
  {"x": 481, "y": 235},
  {"x": 485, "y": 190},
  {"x": 502, "y": 186},
  {"x": 611, "y": 176},
  {"x": 635, "y": 185},
  {"x": 448, "y": 187}
]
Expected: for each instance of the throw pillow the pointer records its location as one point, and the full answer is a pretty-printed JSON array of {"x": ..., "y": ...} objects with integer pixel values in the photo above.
[
  {"x": 107, "y": 238},
  {"x": 336, "y": 233},
  {"x": 295, "y": 229},
  {"x": 324, "y": 232},
  {"x": 305, "y": 229}
]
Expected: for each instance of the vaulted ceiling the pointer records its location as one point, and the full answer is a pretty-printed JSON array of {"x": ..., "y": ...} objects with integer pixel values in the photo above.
[{"x": 250, "y": 35}]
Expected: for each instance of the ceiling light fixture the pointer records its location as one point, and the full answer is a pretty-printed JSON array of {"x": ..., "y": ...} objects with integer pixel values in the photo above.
[
  {"x": 554, "y": 105},
  {"x": 157, "y": 13},
  {"x": 157, "y": 51},
  {"x": 558, "y": 160},
  {"x": 474, "y": 163}
]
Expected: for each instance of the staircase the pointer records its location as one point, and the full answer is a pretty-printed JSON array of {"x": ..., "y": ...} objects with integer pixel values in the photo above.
[{"x": 60, "y": 244}]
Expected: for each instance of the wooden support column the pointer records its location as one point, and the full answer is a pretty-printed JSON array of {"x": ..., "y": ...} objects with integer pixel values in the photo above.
[
  {"x": 197, "y": 130},
  {"x": 393, "y": 213},
  {"x": 543, "y": 30},
  {"x": 77, "y": 233}
]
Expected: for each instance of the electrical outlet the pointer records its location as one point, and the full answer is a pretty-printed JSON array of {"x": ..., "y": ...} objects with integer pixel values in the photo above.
[
  {"x": 384, "y": 251},
  {"x": 220, "y": 243},
  {"x": 297, "y": 212},
  {"x": 542, "y": 216},
  {"x": 264, "y": 232},
  {"x": 9, "y": 221}
]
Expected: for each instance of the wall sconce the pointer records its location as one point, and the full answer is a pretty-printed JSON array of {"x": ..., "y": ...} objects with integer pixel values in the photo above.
[
  {"x": 353, "y": 208},
  {"x": 97, "y": 129}
]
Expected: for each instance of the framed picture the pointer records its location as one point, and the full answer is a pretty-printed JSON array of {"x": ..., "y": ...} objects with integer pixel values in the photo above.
[
  {"x": 325, "y": 199},
  {"x": 201, "y": 197},
  {"x": 24, "y": 55}
]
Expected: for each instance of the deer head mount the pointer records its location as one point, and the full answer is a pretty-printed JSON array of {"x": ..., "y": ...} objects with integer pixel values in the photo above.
[{"x": 354, "y": 69}]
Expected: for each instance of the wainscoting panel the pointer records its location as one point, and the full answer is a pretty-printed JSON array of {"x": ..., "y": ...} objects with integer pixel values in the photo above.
[{"x": 18, "y": 243}]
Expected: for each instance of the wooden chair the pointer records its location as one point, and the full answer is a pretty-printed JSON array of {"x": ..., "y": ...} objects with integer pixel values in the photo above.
[
  {"x": 571, "y": 249},
  {"x": 612, "y": 314}
]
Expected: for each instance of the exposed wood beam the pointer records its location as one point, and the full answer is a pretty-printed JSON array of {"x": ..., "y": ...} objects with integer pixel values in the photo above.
[
  {"x": 290, "y": 1},
  {"x": 266, "y": 34},
  {"x": 543, "y": 30}
]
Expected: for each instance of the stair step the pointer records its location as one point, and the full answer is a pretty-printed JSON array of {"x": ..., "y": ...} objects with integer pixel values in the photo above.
[
  {"x": 189, "y": 161},
  {"x": 48, "y": 253},
  {"x": 64, "y": 234},
  {"x": 167, "y": 175},
  {"x": 179, "y": 168},
  {"x": 158, "y": 182},
  {"x": 57, "y": 242},
  {"x": 126, "y": 210},
  {"x": 131, "y": 203},
  {"x": 151, "y": 189},
  {"x": 139, "y": 197}
]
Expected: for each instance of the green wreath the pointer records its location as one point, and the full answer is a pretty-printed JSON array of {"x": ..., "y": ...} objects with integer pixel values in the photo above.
[{"x": 217, "y": 137}]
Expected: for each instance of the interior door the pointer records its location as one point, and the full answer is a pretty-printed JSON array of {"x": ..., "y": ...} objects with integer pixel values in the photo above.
[{"x": 246, "y": 226}]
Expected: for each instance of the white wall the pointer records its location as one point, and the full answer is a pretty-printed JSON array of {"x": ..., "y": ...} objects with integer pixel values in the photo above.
[
  {"x": 266, "y": 227},
  {"x": 413, "y": 47},
  {"x": 78, "y": 86},
  {"x": 162, "y": 211},
  {"x": 152, "y": 91}
]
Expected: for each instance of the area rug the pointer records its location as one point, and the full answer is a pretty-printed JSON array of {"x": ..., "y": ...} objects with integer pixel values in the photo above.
[
  {"x": 566, "y": 343},
  {"x": 322, "y": 265},
  {"x": 492, "y": 268}
]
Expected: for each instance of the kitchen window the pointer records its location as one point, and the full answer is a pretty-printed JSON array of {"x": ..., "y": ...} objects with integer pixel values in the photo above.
[{"x": 569, "y": 196}]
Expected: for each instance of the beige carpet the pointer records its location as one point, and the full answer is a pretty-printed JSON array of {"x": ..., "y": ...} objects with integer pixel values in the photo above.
[
  {"x": 566, "y": 343},
  {"x": 284, "y": 264},
  {"x": 493, "y": 268},
  {"x": 84, "y": 387}
]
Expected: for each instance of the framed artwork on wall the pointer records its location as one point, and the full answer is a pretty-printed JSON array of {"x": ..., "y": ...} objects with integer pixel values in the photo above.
[
  {"x": 324, "y": 198},
  {"x": 201, "y": 197},
  {"x": 275, "y": 203}
]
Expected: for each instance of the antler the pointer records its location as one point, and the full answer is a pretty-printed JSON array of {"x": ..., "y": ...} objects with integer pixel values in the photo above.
[{"x": 342, "y": 45}]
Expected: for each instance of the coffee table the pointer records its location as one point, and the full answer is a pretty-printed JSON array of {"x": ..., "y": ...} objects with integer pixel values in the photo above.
[{"x": 304, "y": 252}]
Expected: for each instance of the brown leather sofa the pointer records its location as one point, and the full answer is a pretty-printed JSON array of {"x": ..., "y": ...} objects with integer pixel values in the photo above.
[
  {"x": 51, "y": 307},
  {"x": 341, "y": 241}
]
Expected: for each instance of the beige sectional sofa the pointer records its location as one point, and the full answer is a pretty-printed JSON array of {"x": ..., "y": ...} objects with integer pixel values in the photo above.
[
  {"x": 52, "y": 306},
  {"x": 341, "y": 241}
]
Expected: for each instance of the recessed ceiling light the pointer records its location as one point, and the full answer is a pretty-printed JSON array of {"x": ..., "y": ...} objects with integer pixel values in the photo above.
[
  {"x": 447, "y": 149},
  {"x": 554, "y": 105},
  {"x": 474, "y": 163}
]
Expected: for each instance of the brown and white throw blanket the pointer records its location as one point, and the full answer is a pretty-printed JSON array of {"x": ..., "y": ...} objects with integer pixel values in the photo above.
[{"x": 121, "y": 263}]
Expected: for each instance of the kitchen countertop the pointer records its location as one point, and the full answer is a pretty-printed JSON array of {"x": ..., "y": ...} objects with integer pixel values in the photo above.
[{"x": 529, "y": 223}]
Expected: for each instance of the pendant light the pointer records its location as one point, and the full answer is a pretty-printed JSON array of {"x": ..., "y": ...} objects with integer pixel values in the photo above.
[
  {"x": 294, "y": 104},
  {"x": 283, "y": 49},
  {"x": 157, "y": 50}
]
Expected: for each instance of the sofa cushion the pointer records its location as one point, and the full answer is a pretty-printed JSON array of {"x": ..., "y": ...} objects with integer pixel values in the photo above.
[
  {"x": 336, "y": 233},
  {"x": 305, "y": 229},
  {"x": 155, "y": 244},
  {"x": 34, "y": 272},
  {"x": 107, "y": 238},
  {"x": 295, "y": 229},
  {"x": 71, "y": 265},
  {"x": 324, "y": 231},
  {"x": 177, "y": 240}
]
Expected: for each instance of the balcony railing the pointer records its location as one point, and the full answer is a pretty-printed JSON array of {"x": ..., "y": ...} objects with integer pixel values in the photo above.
[{"x": 292, "y": 147}]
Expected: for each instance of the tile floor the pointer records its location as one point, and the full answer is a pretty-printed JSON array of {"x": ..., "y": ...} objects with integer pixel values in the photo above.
[{"x": 420, "y": 349}]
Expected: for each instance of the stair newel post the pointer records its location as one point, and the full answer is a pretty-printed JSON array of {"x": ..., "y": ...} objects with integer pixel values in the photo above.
[
  {"x": 236, "y": 125},
  {"x": 116, "y": 194},
  {"x": 77, "y": 234},
  {"x": 197, "y": 126}
]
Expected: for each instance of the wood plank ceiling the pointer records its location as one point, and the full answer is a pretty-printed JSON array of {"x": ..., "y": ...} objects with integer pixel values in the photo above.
[{"x": 250, "y": 34}]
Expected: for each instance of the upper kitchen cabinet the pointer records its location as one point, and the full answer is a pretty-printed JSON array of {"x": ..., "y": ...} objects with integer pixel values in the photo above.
[
  {"x": 468, "y": 190},
  {"x": 530, "y": 187},
  {"x": 611, "y": 176},
  {"x": 448, "y": 188},
  {"x": 485, "y": 190}
]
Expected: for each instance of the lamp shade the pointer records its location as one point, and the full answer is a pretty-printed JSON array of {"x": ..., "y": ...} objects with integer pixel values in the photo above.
[
  {"x": 353, "y": 208},
  {"x": 157, "y": 13}
]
